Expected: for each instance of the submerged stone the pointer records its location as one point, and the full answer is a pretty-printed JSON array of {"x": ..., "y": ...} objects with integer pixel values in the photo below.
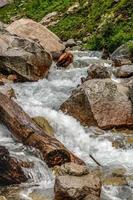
[{"x": 44, "y": 124}]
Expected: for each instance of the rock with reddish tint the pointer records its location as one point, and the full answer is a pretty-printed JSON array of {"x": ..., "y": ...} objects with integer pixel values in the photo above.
[
  {"x": 24, "y": 57},
  {"x": 30, "y": 29},
  {"x": 77, "y": 187},
  {"x": 65, "y": 59}
]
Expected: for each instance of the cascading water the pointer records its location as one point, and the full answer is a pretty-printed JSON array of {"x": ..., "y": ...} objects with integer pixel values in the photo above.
[{"x": 43, "y": 98}]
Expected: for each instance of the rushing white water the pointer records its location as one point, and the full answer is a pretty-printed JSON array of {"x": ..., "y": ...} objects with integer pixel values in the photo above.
[{"x": 43, "y": 98}]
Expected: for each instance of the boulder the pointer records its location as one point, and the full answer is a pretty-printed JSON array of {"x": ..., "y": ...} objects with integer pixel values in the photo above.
[
  {"x": 24, "y": 57},
  {"x": 124, "y": 71},
  {"x": 70, "y": 43},
  {"x": 77, "y": 187},
  {"x": 123, "y": 54},
  {"x": 107, "y": 101},
  {"x": 98, "y": 71},
  {"x": 30, "y": 29},
  {"x": 65, "y": 59}
]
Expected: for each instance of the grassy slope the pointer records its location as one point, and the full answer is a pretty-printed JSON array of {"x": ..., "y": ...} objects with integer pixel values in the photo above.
[{"x": 101, "y": 22}]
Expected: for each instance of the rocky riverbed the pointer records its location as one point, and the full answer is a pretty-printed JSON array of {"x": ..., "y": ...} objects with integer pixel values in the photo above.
[{"x": 112, "y": 148}]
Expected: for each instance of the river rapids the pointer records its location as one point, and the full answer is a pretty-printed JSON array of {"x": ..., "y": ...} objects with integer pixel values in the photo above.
[{"x": 43, "y": 98}]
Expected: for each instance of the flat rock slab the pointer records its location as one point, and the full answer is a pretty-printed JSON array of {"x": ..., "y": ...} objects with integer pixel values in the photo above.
[{"x": 30, "y": 29}]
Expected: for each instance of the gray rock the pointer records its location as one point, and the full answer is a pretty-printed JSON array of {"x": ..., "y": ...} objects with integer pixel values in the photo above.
[
  {"x": 25, "y": 57},
  {"x": 79, "y": 42},
  {"x": 4, "y": 3},
  {"x": 123, "y": 54},
  {"x": 70, "y": 43},
  {"x": 98, "y": 71},
  {"x": 124, "y": 71},
  {"x": 74, "y": 187}
]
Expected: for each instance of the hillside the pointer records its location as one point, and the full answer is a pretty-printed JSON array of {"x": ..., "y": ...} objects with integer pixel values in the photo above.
[{"x": 98, "y": 23}]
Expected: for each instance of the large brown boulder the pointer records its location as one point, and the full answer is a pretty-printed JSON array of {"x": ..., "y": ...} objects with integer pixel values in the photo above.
[
  {"x": 24, "y": 57},
  {"x": 30, "y": 29},
  {"x": 107, "y": 101}
]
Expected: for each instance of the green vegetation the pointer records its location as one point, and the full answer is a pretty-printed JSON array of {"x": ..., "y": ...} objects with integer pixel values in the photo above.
[
  {"x": 35, "y": 9},
  {"x": 99, "y": 23},
  {"x": 130, "y": 46}
]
